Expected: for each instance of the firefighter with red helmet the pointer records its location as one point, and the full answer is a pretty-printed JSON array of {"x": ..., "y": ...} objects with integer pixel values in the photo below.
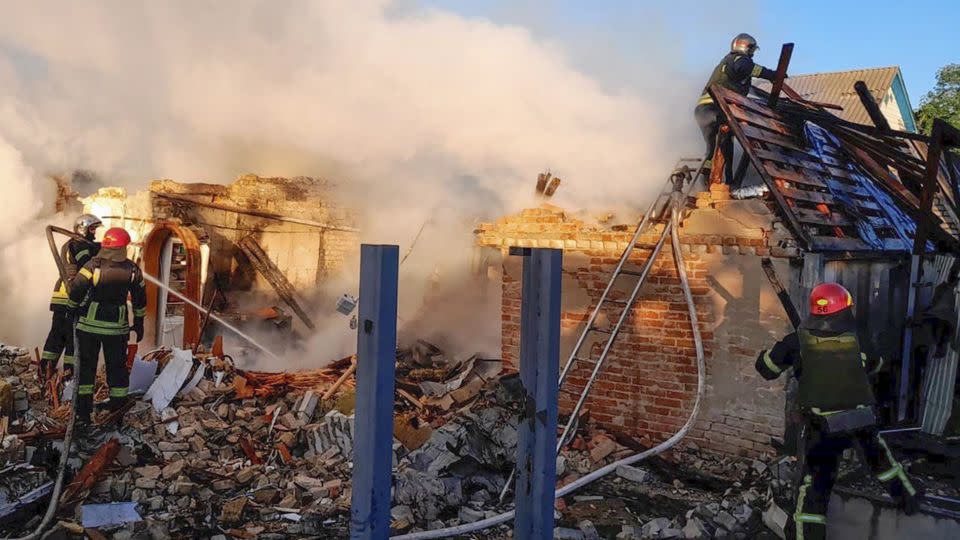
[
  {"x": 98, "y": 298},
  {"x": 836, "y": 398}
]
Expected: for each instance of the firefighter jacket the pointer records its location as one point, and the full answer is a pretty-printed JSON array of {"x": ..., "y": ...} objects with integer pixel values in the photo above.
[
  {"x": 735, "y": 72},
  {"x": 831, "y": 370},
  {"x": 99, "y": 293},
  {"x": 77, "y": 255}
]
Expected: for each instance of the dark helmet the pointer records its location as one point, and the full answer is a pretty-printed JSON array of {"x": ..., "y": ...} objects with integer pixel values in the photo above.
[{"x": 744, "y": 44}]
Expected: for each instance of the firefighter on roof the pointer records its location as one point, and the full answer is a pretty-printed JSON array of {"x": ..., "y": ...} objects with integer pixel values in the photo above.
[
  {"x": 99, "y": 298},
  {"x": 735, "y": 72},
  {"x": 60, "y": 337},
  {"x": 836, "y": 397}
]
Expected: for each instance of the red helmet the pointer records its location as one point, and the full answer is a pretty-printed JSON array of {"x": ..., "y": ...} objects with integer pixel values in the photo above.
[
  {"x": 115, "y": 237},
  {"x": 829, "y": 298}
]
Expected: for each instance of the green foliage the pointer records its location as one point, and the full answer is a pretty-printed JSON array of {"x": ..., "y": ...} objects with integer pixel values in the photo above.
[{"x": 943, "y": 101}]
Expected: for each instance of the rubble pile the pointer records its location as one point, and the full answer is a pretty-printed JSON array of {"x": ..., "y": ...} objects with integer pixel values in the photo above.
[
  {"x": 693, "y": 495},
  {"x": 212, "y": 450}
]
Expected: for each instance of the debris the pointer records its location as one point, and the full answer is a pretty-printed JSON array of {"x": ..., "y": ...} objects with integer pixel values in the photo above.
[
  {"x": 166, "y": 386},
  {"x": 233, "y": 510},
  {"x": 105, "y": 515},
  {"x": 601, "y": 447},
  {"x": 90, "y": 473},
  {"x": 632, "y": 474},
  {"x": 776, "y": 520}
]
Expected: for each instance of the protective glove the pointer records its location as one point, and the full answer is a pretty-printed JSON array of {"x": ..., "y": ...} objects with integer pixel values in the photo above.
[
  {"x": 67, "y": 372},
  {"x": 138, "y": 328}
]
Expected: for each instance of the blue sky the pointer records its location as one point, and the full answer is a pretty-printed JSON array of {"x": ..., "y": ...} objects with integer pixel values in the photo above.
[{"x": 919, "y": 36}]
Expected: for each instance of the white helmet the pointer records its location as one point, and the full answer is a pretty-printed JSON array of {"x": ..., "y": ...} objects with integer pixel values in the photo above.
[
  {"x": 86, "y": 224},
  {"x": 744, "y": 44}
]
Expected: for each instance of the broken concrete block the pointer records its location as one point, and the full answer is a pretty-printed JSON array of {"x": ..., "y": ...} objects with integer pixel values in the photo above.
[
  {"x": 469, "y": 515},
  {"x": 632, "y": 474},
  {"x": 589, "y": 531},
  {"x": 150, "y": 471},
  {"x": 245, "y": 475},
  {"x": 232, "y": 510},
  {"x": 307, "y": 406},
  {"x": 145, "y": 483},
  {"x": 563, "y": 533},
  {"x": 652, "y": 528},
  {"x": 727, "y": 521},
  {"x": 776, "y": 520},
  {"x": 695, "y": 528},
  {"x": 173, "y": 469}
]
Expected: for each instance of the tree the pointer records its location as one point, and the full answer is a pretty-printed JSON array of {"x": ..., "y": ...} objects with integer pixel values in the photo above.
[{"x": 943, "y": 101}]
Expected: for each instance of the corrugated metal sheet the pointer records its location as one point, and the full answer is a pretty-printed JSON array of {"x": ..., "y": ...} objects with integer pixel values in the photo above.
[{"x": 837, "y": 88}]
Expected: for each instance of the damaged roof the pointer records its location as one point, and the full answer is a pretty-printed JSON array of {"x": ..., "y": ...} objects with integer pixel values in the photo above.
[{"x": 840, "y": 186}]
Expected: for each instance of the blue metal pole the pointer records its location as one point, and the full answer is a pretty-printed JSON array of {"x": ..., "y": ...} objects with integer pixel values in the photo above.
[
  {"x": 539, "y": 374},
  {"x": 373, "y": 419}
]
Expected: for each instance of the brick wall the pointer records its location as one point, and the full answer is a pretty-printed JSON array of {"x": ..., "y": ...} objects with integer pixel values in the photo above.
[{"x": 649, "y": 383}]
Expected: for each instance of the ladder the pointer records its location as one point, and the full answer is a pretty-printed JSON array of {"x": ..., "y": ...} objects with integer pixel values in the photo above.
[{"x": 673, "y": 197}]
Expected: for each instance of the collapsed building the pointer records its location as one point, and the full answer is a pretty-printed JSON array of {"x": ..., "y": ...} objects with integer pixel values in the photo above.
[
  {"x": 218, "y": 450},
  {"x": 237, "y": 247}
]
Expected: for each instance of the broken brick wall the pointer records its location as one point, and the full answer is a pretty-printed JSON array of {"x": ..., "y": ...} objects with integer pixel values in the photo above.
[
  {"x": 648, "y": 386},
  {"x": 305, "y": 254}
]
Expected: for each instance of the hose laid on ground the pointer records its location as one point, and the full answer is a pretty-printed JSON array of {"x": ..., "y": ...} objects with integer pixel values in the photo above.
[
  {"x": 68, "y": 434},
  {"x": 603, "y": 471}
]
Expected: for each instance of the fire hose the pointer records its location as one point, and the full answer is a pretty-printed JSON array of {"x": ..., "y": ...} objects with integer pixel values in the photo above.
[
  {"x": 68, "y": 434},
  {"x": 607, "y": 469}
]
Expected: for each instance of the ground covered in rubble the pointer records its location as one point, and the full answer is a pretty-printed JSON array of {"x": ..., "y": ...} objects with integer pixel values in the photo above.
[{"x": 211, "y": 451}]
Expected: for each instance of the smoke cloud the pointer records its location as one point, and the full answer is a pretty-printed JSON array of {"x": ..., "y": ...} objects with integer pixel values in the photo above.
[{"x": 419, "y": 113}]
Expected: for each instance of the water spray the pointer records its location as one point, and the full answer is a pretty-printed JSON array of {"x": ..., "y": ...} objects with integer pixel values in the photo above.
[{"x": 210, "y": 314}]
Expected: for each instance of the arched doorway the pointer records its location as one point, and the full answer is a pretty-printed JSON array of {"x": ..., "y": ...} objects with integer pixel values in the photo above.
[{"x": 171, "y": 253}]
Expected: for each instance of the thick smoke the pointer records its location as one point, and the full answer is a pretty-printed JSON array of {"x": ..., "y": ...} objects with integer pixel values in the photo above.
[{"x": 419, "y": 113}]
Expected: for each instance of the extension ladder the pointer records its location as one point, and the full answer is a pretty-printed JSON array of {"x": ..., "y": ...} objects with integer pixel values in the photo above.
[{"x": 673, "y": 197}]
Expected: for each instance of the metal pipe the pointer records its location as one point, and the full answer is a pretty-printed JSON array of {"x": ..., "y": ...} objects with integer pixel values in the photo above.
[
  {"x": 226, "y": 325},
  {"x": 603, "y": 471},
  {"x": 68, "y": 433}
]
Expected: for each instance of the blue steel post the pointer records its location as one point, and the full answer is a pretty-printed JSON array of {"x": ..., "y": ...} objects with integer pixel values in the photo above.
[
  {"x": 539, "y": 374},
  {"x": 373, "y": 420}
]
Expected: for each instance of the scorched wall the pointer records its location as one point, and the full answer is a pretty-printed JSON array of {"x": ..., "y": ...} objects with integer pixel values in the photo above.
[{"x": 648, "y": 386}]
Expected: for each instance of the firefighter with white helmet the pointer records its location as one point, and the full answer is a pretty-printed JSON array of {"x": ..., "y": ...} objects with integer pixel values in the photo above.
[
  {"x": 735, "y": 72},
  {"x": 76, "y": 254}
]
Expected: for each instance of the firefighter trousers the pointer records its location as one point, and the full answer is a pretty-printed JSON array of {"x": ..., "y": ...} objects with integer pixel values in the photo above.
[
  {"x": 819, "y": 473},
  {"x": 59, "y": 340},
  {"x": 708, "y": 117},
  {"x": 115, "y": 358}
]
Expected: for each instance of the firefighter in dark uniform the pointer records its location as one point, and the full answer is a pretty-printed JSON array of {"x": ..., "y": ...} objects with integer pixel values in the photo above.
[
  {"x": 60, "y": 337},
  {"x": 99, "y": 297},
  {"x": 735, "y": 72},
  {"x": 836, "y": 397}
]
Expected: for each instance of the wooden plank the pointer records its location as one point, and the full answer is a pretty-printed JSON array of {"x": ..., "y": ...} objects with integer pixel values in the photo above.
[
  {"x": 748, "y": 148},
  {"x": 831, "y": 243},
  {"x": 814, "y": 197},
  {"x": 746, "y": 116},
  {"x": 752, "y": 104},
  {"x": 782, "y": 157},
  {"x": 815, "y": 217},
  {"x": 785, "y": 53},
  {"x": 793, "y": 176},
  {"x": 773, "y": 138}
]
